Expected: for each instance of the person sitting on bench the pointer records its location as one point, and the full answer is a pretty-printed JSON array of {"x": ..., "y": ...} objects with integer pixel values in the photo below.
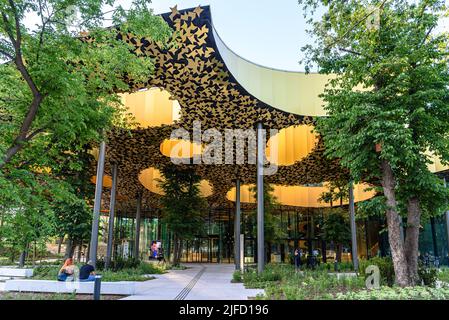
[
  {"x": 87, "y": 272},
  {"x": 66, "y": 270}
]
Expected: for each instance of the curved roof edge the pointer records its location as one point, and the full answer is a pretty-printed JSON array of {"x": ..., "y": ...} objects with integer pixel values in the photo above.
[{"x": 294, "y": 92}]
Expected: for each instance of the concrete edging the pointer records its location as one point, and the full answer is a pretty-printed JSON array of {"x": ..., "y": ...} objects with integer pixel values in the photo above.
[{"x": 49, "y": 286}]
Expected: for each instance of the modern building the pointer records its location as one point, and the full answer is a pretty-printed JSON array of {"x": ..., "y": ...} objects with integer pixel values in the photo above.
[{"x": 201, "y": 79}]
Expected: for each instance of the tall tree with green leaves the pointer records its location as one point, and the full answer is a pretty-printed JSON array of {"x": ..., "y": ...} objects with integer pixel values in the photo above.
[
  {"x": 388, "y": 106},
  {"x": 59, "y": 85},
  {"x": 273, "y": 230},
  {"x": 183, "y": 207}
]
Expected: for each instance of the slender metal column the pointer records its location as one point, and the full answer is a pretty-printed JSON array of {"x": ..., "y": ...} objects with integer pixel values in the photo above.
[
  {"x": 447, "y": 221},
  {"x": 260, "y": 200},
  {"x": 237, "y": 226},
  {"x": 97, "y": 204},
  {"x": 137, "y": 234},
  {"x": 355, "y": 259},
  {"x": 434, "y": 237},
  {"x": 111, "y": 216}
]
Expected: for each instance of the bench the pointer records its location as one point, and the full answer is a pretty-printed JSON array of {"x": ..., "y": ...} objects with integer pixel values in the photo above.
[
  {"x": 50, "y": 286},
  {"x": 11, "y": 272}
]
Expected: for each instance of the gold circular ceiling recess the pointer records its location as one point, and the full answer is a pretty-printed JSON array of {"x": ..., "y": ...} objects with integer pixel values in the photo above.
[
  {"x": 152, "y": 107},
  {"x": 107, "y": 181},
  {"x": 291, "y": 145},
  {"x": 178, "y": 148},
  {"x": 299, "y": 196},
  {"x": 151, "y": 177}
]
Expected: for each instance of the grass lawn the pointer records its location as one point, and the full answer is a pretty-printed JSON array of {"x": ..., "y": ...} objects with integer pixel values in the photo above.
[{"x": 281, "y": 282}]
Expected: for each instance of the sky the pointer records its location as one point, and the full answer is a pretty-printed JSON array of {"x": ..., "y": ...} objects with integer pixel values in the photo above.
[{"x": 267, "y": 32}]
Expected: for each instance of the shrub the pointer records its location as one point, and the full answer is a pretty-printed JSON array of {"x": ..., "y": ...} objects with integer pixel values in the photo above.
[
  {"x": 428, "y": 276},
  {"x": 47, "y": 272},
  {"x": 237, "y": 276},
  {"x": 118, "y": 264},
  {"x": 396, "y": 293}
]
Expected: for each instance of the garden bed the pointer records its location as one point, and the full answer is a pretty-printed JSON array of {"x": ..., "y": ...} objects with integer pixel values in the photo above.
[{"x": 282, "y": 282}]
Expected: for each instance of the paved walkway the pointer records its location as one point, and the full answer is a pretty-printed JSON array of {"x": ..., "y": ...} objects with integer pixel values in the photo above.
[{"x": 198, "y": 282}]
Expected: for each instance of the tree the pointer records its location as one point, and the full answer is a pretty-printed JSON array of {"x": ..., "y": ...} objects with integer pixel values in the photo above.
[
  {"x": 183, "y": 208},
  {"x": 336, "y": 229},
  {"x": 59, "y": 86},
  {"x": 335, "y": 224},
  {"x": 273, "y": 230},
  {"x": 388, "y": 106}
]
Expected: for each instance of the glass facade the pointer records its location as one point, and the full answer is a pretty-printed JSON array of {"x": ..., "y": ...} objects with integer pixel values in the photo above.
[{"x": 302, "y": 229}]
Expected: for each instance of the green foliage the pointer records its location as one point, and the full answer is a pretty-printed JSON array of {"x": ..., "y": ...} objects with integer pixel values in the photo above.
[
  {"x": 336, "y": 227},
  {"x": 388, "y": 293},
  {"x": 272, "y": 221},
  {"x": 428, "y": 276},
  {"x": 330, "y": 267},
  {"x": 183, "y": 206},
  {"x": 58, "y": 97},
  {"x": 237, "y": 276},
  {"x": 281, "y": 282},
  {"x": 123, "y": 271},
  {"x": 443, "y": 275},
  {"x": 386, "y": 269},
  {"x": 46, "y": 272},
  {"x": 390, "y": 89}
]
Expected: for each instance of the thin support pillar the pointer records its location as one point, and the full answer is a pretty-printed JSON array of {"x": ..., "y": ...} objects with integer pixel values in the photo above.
[
  {"x": 97, "y": 204},
  {"x": 111, "y": 217},
  {"x": 137, "y": 233},
  {"x": 260, "y": 199},
  {"x": 237, "y": 226},
  {"x": 355, "y": 259},
  {"x": 447, "y": 222}
]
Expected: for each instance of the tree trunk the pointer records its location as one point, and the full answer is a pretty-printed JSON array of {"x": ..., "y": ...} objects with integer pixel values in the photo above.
[
  {"x": 22, "y": 258},
  {"x": 80, "y": 248},
  {"x": 176, "y": 250},
  {"x": 394, "y": 227},
  {"x": 338, "y": 252},
  {"x": 411, "y": 239},
  {"x": 70, "y": 246},
  {"x": 61, "y": 240}
]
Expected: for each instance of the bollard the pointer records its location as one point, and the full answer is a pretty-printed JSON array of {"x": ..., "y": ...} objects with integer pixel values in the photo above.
[{"x": 97, "y": 287}]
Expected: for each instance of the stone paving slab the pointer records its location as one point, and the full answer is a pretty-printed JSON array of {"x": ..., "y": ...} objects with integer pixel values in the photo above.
[{"x": 213, "y": 284}]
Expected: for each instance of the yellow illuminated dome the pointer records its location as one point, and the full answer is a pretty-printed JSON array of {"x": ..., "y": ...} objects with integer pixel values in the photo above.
[
  {"x": 299, "y": 196},
  {"x": 291, "y": 145},
  {"x": 178, "y": 148},
  {"x": 107, "y": 181},
  {"x": 151, "y": 177},
  {"x": 152, "y": 107}
]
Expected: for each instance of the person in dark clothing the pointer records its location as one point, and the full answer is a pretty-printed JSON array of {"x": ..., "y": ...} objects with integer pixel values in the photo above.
[
  {"x": 297, "y": 257},
  {"x": 87, "y": 272},
  {"x": 160, "y": 256}
]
